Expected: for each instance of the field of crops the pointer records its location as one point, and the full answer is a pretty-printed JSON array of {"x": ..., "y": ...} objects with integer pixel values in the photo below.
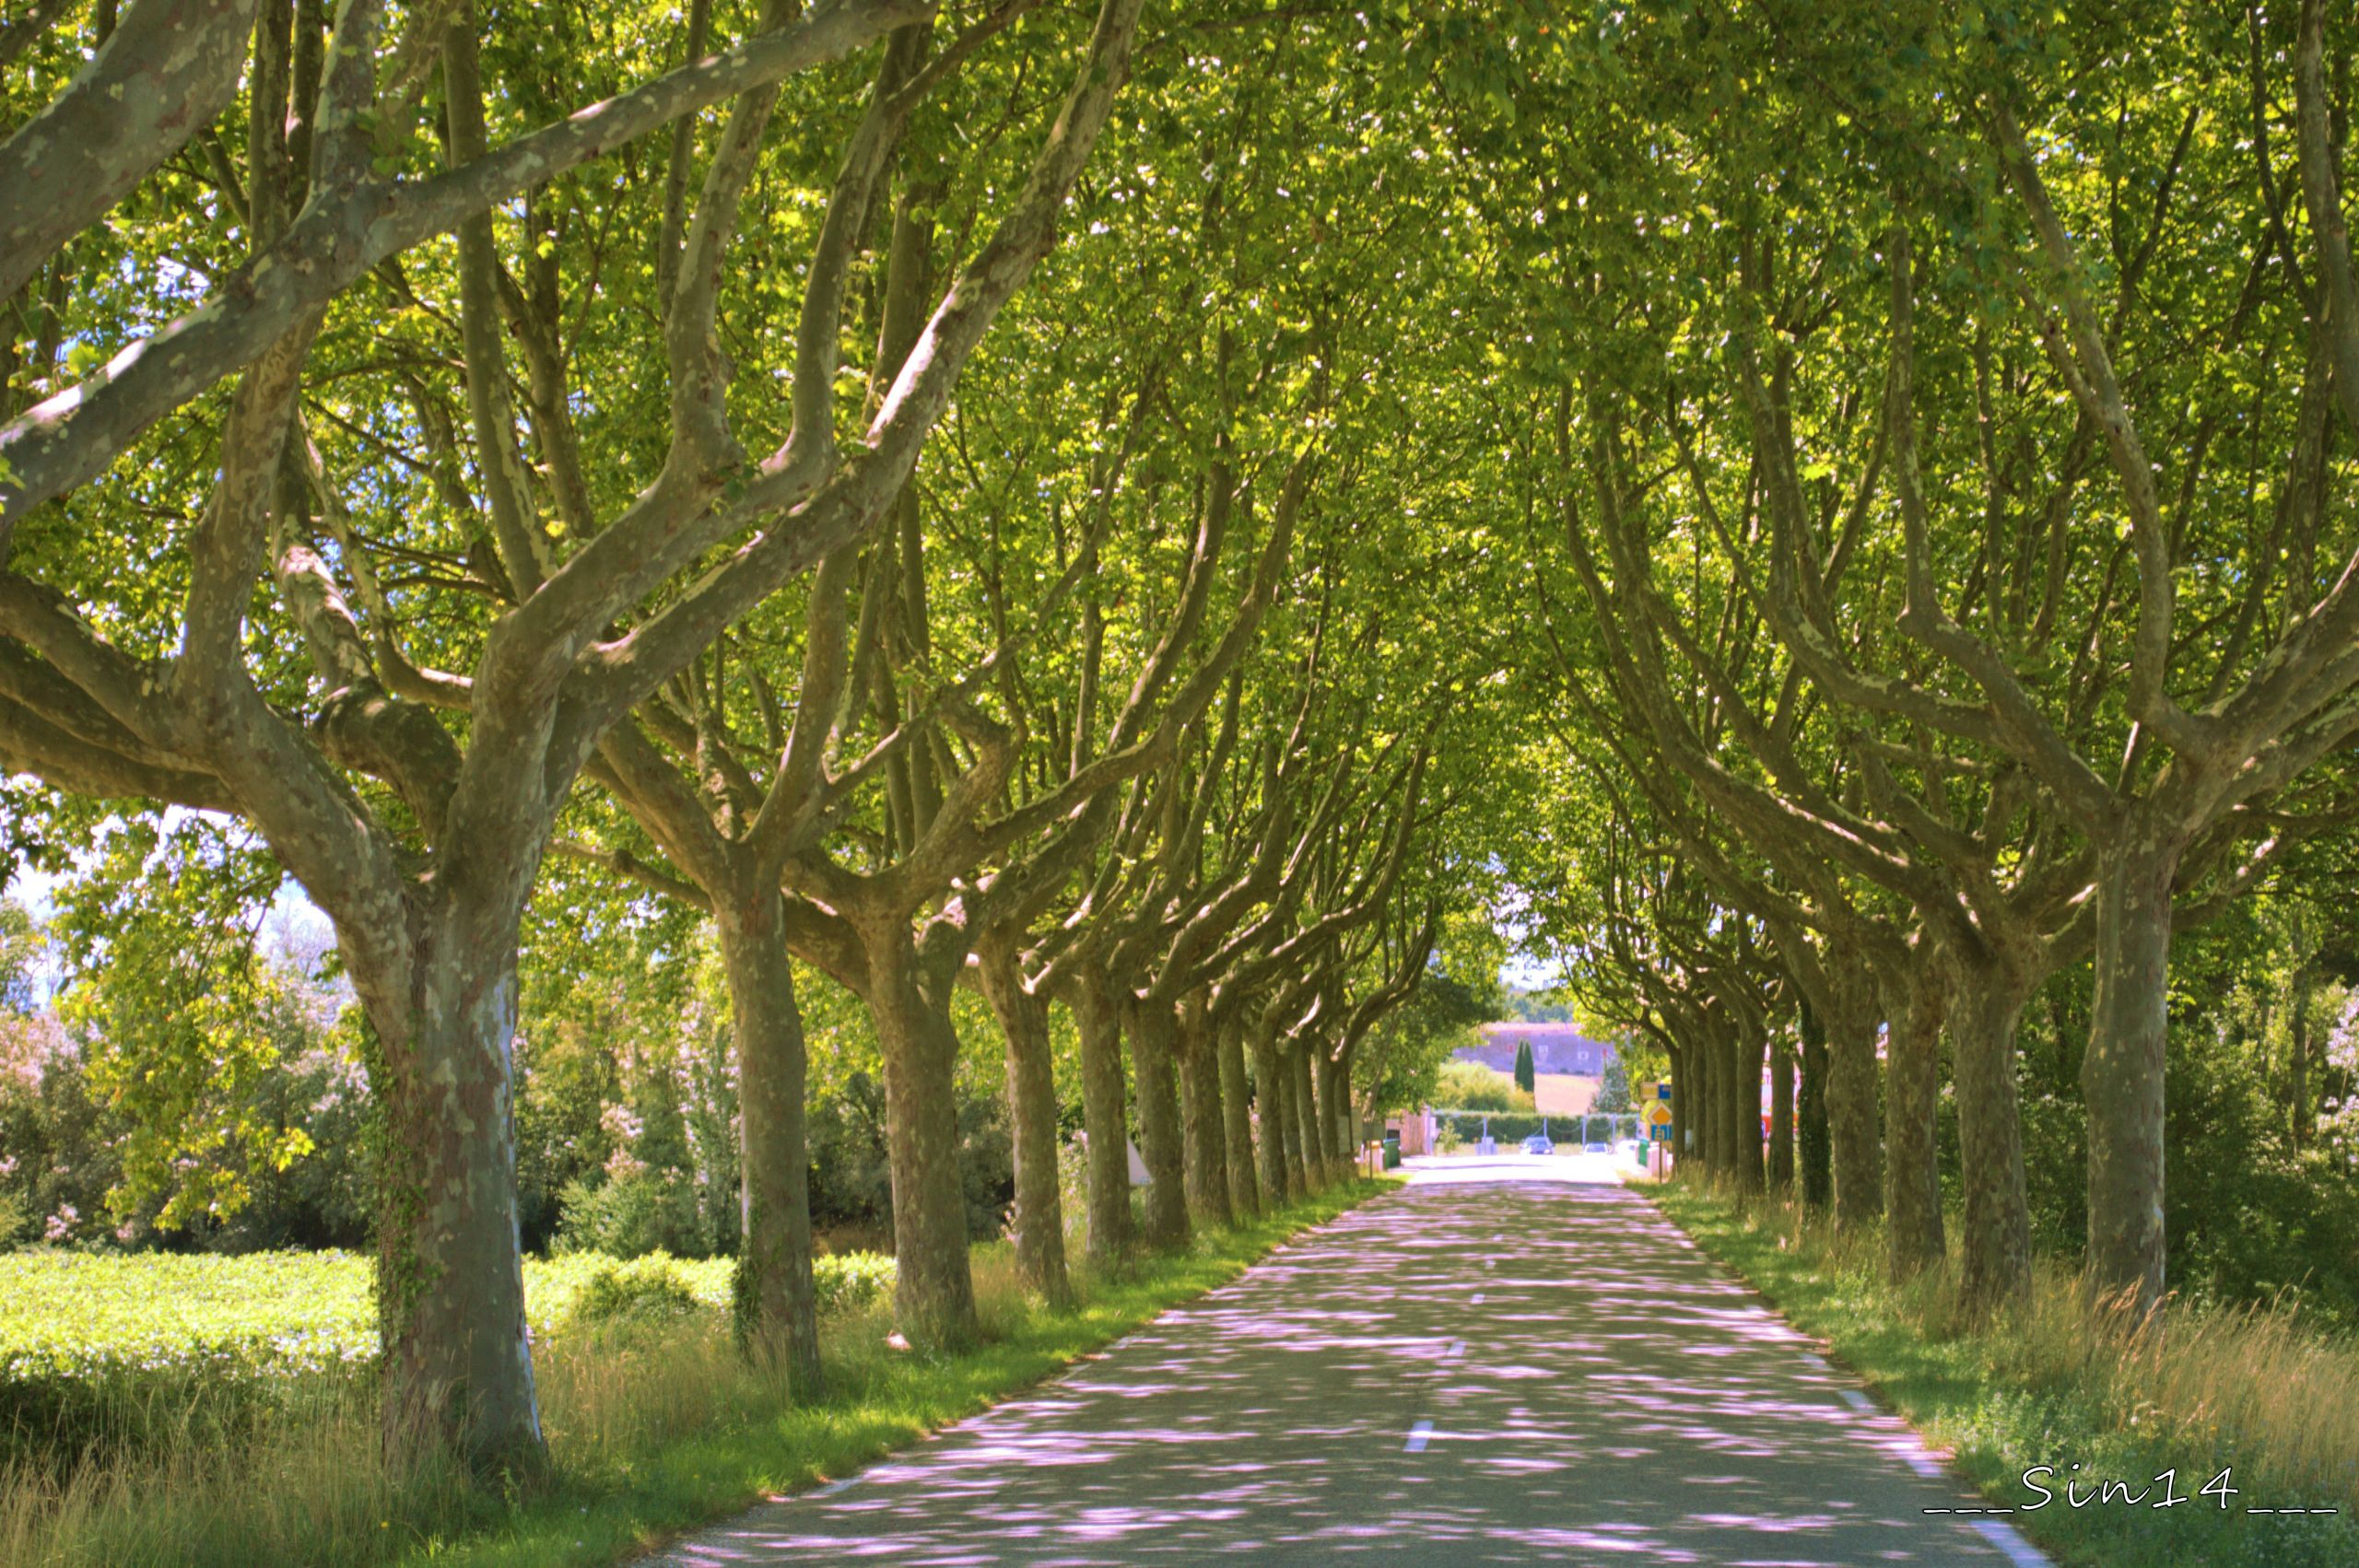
[{"x": 67, "y": 1315}]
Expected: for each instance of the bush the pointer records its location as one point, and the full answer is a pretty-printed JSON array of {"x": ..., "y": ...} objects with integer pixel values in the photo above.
[
  {"x": 632, "y": 1215},
  {"x": 849, "y": 1281},
  {"x": 1471, "y": 1086},
  {"x": 644, "y": 1287}
]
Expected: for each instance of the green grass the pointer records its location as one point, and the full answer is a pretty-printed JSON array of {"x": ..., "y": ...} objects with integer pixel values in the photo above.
[
  {"x": 2260, "y": 1392},
  {"x": 656, "y": 1426}
]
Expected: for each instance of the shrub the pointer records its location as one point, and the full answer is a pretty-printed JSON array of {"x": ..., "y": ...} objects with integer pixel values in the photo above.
[
  {"x": 632, "y": 1215},
  {"x": 644, "y": 1287},
  {"x": 849, "y": 1281},
  {"x": 1471, "y": 1086}
]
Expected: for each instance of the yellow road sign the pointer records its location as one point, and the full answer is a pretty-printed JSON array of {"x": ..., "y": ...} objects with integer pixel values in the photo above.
[{"x": 1659, "y": 1114}]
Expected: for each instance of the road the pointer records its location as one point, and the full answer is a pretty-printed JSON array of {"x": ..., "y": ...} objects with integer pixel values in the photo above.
[{"x": 1513, "y": 1360}]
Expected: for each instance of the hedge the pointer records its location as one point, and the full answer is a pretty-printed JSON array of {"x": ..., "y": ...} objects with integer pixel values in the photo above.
[{"x": 1514, "y": 1126}]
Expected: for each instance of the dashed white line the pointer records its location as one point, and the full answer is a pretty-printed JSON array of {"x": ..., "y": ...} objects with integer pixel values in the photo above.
[
  {"x": 1815, "y": 1362},
  {"x": 835, "y": 1486},
  {"x": 1924, "y": 1464},
  {"x": 1478, "y": 1299},
  {"x": 1417, "y": 1436},
  {"x": 2010, "y": 1542},
  {"x": 1457, "y": 1347},
  {"x": 1854, "y": 1398}
]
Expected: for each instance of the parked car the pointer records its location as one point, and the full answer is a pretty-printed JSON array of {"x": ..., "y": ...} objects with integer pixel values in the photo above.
[
  {"x": 1538, "y": 1143},
  {"x": 1599, "y": 1149}
]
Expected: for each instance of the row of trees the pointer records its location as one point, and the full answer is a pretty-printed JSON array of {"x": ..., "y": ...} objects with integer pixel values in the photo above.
[
  {"x": 439, "y": 452},
  {"x": 1940, "y": 487}
]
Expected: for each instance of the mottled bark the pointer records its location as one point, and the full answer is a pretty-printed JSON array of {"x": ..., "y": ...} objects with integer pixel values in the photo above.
[
  {"x": 458, "y": 1367},
  {"x": 1852, "y": 1096},
  {"x": 934, "y": 1291},
  {"x": 1744, "y": 1052},
  {"x": 1097, "y": 1018},
  {"x": 1995, "y": 1250},
  {"x": 1202, "y": 1132},
  {"x": 1916, "y": 1002},
  {"x": 1040, "y": 1230},
  {"x": 1153, "y": 1032},
  {"x": 158, "y": 79},
  {"x": 1269, "y": 1112},
  {"x": 2121, "y": 1076},
  {"x": 1237, "y": 1121},
  {"x": 778, "y": 1304},
  {"x": 1302, "y": 1128}
]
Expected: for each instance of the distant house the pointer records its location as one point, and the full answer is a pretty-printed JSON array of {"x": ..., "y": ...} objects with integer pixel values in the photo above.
[{"x": 1555, "y": 1047}]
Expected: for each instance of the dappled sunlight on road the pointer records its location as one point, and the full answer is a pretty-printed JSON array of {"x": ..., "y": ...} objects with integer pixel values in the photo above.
[{"x": 1509, "y": 1361}]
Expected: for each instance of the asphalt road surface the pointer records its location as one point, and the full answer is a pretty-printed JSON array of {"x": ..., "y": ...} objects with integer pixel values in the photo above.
[{"x": 1511, "y": 1359}]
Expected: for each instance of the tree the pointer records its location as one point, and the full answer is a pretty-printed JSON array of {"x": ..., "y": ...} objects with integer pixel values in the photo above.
[
  {"x": 1614, "y": 1087},
  {"x": 301, "y": 690},
  {"x": 1525, "y": 1077}
]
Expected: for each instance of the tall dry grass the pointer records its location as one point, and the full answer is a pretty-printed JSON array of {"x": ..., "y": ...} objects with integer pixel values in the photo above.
[
  {"x": 312, "y": 1484},
  {"x": 2264, "y": 1385}
]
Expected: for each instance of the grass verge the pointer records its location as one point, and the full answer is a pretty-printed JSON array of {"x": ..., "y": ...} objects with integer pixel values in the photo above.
[
  {"x": 655, "y": 1427},
  {"x": 2255, "y": 1392}
]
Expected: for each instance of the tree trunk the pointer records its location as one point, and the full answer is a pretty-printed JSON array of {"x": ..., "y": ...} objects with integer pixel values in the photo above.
[
  {"x": 1096, "y": 1018},
  {"x": 1032, "y": 1120},
  {"x": 2121, "y": 1077},
  {"x": 1851, "y": 1100},
  {"x": 1154, "y": 1033},
  {"x": 1278, "y": 1187},
  {"x": 1745, "y": 1104},
  {"x": 1711, "y": 1125},
  {"x": 1304, "y": 1129},
  {"x": 1915, "y": 1006},
  {"x": 1334, "y": 1112},
  {"x": 1200, "y": 1106},
  {"x": 777, "y": 1303},
  {"x": 1237, "y": 1120},
  {"x": 935, "y": 1290},
  {"x": 2304, "y": 1121},
  {"x": 1995, "y": 1273},
  {"x": 1813, "y": 1147},
  {"x": 1683, "y": 1102},
  {"x": 1781, "y": 1115},
  {"x": 458, "y": 1366}
]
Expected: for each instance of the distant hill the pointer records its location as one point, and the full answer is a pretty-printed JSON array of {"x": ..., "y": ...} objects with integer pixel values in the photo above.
[{"x": 1555, "y": 1047}]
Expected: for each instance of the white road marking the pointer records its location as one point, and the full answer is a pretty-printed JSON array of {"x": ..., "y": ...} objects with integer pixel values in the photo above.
[
  {"x": 835, "y": 1486},
  {"x": 1854, "y": 1398},
  {"x": 2009, "y": 1541},
  {"x": 1457, "y": 1348},
  {"x": 1478, "y": 1298},
  {"x": 1417, "y": 1436},
  {"x": 1815, "y": 1363}
]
